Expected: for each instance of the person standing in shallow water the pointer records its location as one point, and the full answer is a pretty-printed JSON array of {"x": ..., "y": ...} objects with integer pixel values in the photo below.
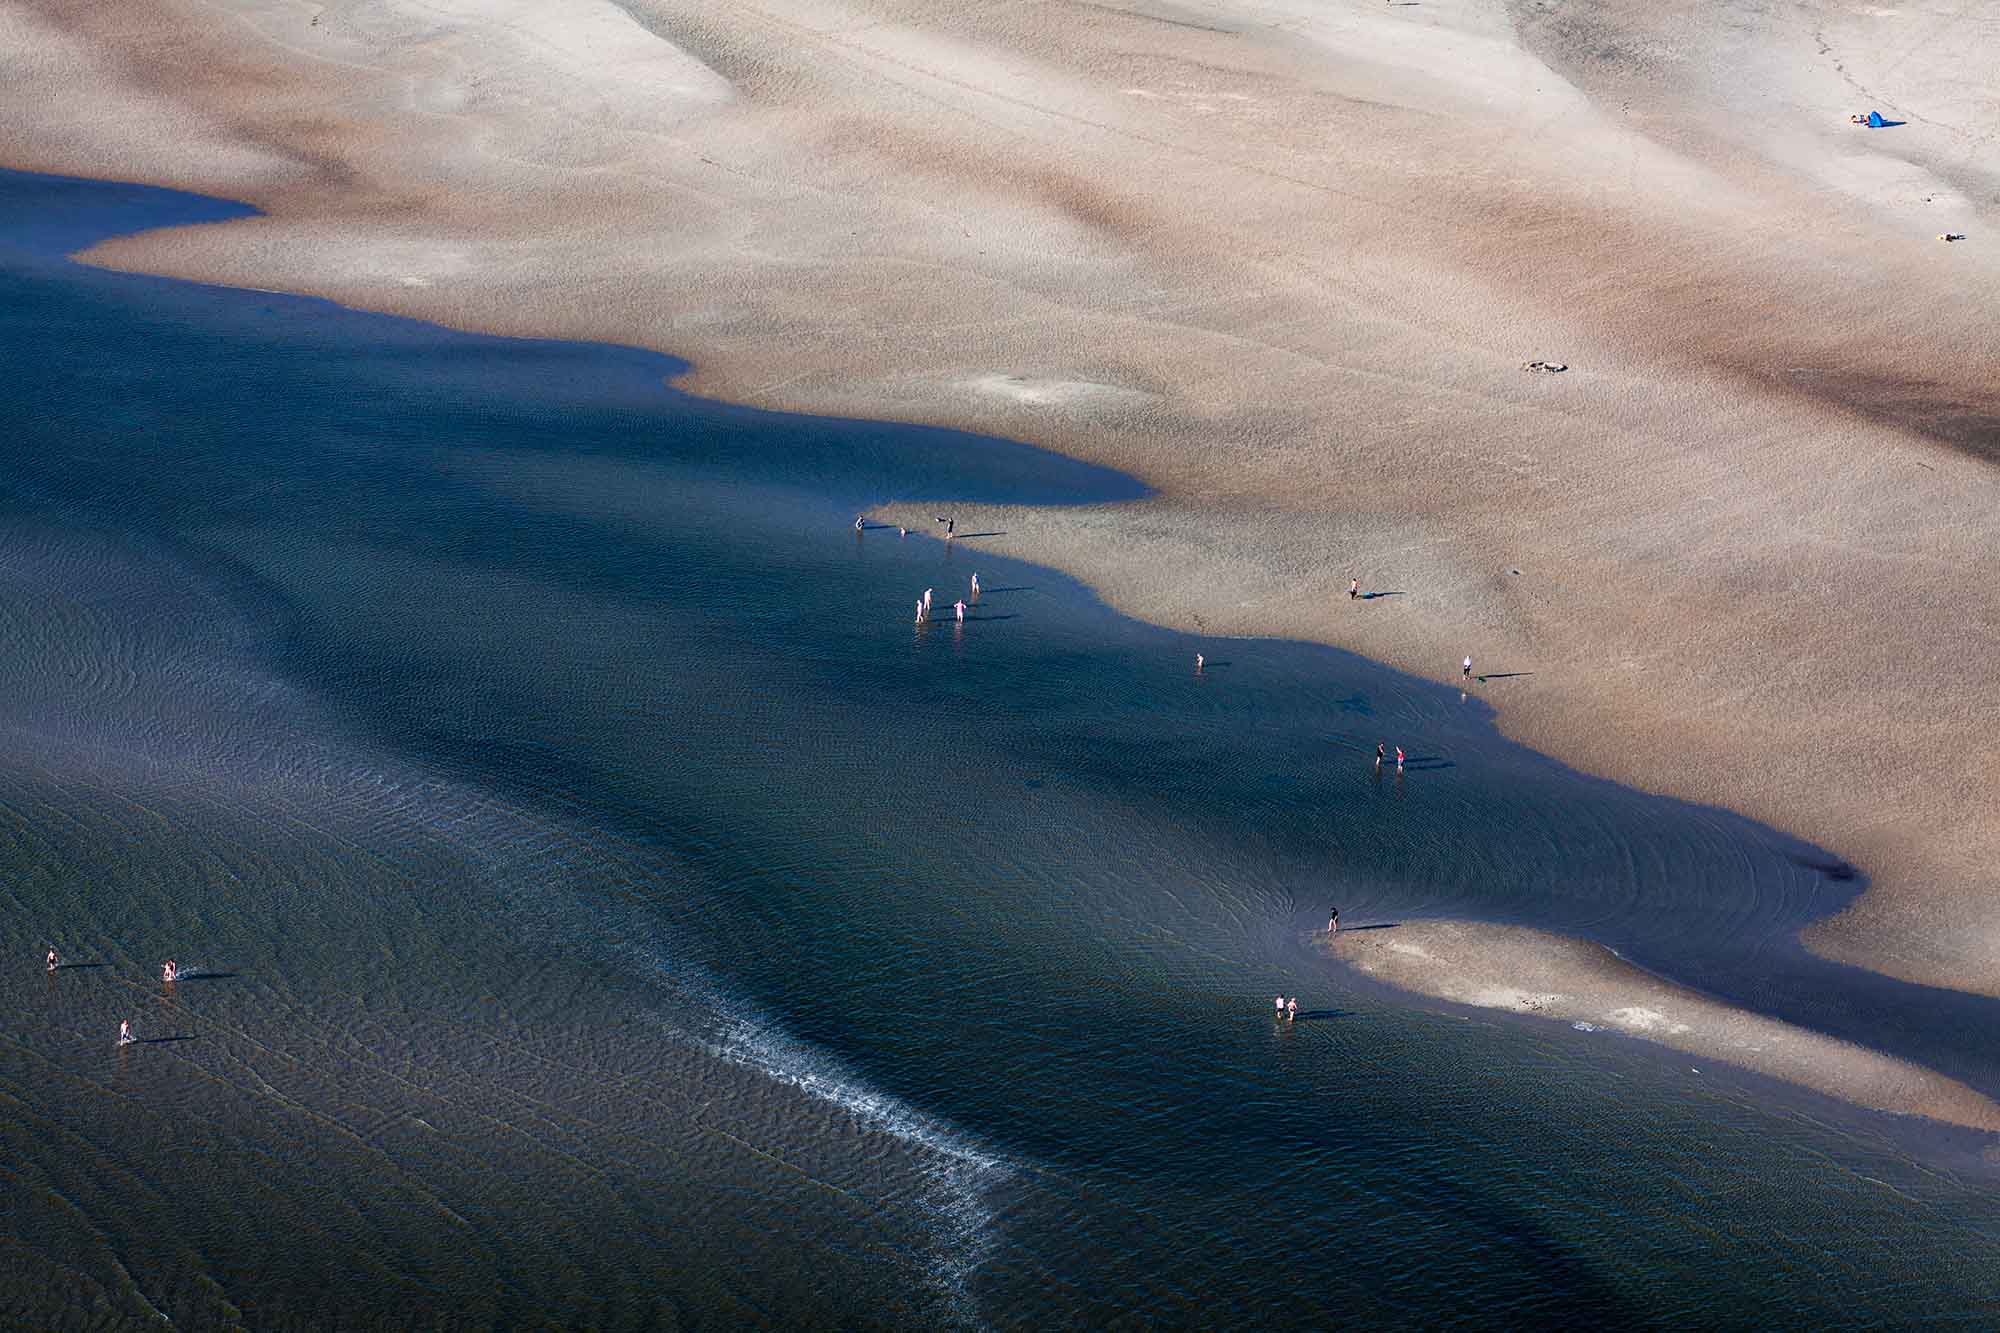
[
  {"x": 1381, "y": 753},
  {"x": 125, "y": 1037},
  {"x": 975, "y": 587},
  {"x": 54, "y": 963},
  {"x": 960, "y": 608},
  {"x": 1280, "y": 1002},
  {"x": 1399, "y": 758},
  {"x": 1333, "y": 921},
  {"x": 1292, "y": 1009}
]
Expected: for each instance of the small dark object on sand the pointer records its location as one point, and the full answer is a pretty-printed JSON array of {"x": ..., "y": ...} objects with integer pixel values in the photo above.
[
  {"x": 1545, "y": 367},
  {"x": 1951, "y": 236}
]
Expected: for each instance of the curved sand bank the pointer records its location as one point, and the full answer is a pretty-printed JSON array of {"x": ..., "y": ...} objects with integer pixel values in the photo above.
[
  {"x": 1283, "y": 261},
  {"x": 1529, "y": 971}
]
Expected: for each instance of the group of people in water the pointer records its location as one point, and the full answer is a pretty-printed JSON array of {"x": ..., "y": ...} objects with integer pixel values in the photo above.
[
  {"x": 950, "y": 526},
  {"x": 924, "y": 603},
  {"x": 958, "y": 607},
  {"x": 170, "y": 972}
]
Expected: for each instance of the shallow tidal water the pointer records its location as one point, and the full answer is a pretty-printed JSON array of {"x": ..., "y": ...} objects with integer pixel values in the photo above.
[{"x": 604, "y": 907}]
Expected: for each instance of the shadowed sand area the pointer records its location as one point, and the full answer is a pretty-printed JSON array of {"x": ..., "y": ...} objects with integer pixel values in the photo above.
[{"x": 1281, "y": 261}]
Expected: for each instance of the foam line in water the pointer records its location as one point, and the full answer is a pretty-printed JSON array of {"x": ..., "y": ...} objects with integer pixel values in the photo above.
[
  {"x": 516, "y": 845},
  {"x": 961, "y": 1175}
]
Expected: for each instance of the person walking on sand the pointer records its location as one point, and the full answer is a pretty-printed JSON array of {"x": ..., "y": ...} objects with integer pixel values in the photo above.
[
  {"x": 1465, "y": 671},
  {"x": 125, "y": 1037},
  {"x": 1353, "y": 589},
  {"x": 1333, "y": 921},
  {"x": 959, "y": 607}
]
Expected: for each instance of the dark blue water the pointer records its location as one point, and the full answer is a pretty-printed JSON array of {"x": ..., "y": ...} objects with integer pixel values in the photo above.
[{"x": 608, "y": 908}]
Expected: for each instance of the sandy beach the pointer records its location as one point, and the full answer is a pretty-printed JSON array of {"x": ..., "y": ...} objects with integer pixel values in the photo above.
[{"x": 1284, "y": 262}]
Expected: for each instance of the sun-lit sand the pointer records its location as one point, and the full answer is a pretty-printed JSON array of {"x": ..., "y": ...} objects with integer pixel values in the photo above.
[
  {"x": 1284, "y": 261},
  {"x": 1532, "y": 972}
]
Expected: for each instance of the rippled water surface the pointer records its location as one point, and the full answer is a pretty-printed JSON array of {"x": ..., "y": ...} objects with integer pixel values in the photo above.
[{"x": 604, "y": 907}]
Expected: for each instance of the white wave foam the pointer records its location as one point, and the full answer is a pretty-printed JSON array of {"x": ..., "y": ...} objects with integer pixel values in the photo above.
[
  {"x": 532, "y": 853},
  {"x": 959, "y": 1173}
]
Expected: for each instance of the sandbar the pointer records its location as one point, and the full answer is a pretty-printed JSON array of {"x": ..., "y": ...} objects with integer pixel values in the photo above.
[{"x": 1526, "y": 971}]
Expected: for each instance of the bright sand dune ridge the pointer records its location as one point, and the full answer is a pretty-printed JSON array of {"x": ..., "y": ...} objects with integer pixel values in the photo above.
[{"x": 1284, "y": 261}]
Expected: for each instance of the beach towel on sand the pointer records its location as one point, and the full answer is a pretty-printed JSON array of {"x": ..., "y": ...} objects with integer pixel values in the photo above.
[{"x": 1875, "y": 121}]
